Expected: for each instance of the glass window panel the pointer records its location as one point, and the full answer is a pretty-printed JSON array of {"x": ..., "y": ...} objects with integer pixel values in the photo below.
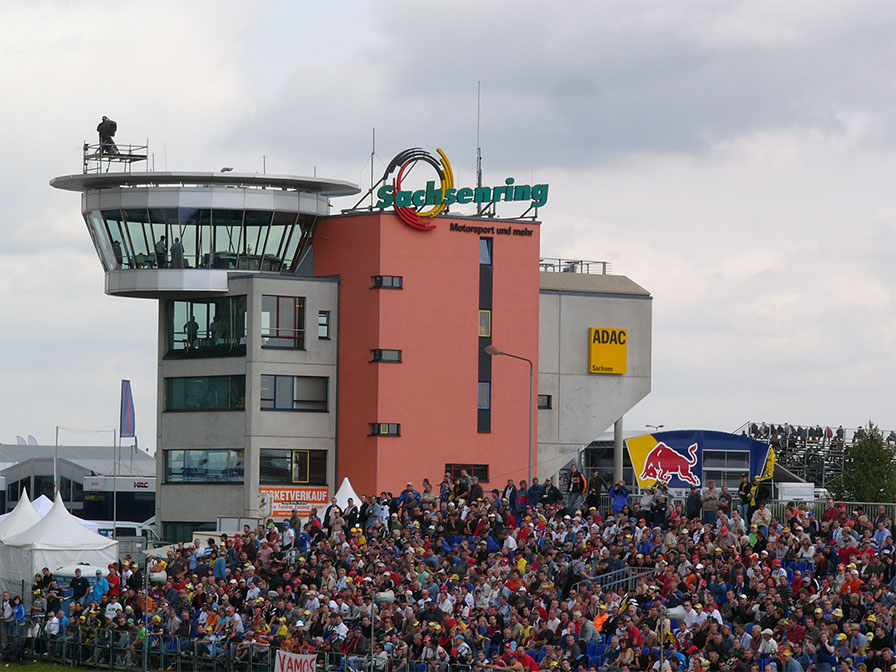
[
  {"x": 485, "y": 323},
  {"x": 283, "y": 392},
  {"x": 484, "y": 397},
  {"x": 205, "y": 393},
  {"x": 207, "y": 328},
  {"x": 283, "y": 322},
  {"x": 317, "y": 467},
  {"x": 713, "y": 459},
  {"x": 257, "y": 224},
  {"x": 485, "y": 251},
  {"x": 295, "y": 239},
  {"x": 135, "y": 218},
  {"x": 164, "y": 221},
  {"x": 286, "y": 317},
  {"x": 281, "y": 227},
  {"x": 100, "y": 237},
  {"x": 268, "y": 387},
  {"x": 194, "y": 465},
  {"x": 189, "y": 234},
  {"x": 311, "y": 393},
  {"x": 323, "y": 324},
  {"x": 175, "y": 469},
  {"x": 228, "y": 226},
  {"x": 216, "y": 469},
  {"x": 120, "y": 247},
  {"x": 300, "y": 463},
  {"x": 274, "y": 466}
]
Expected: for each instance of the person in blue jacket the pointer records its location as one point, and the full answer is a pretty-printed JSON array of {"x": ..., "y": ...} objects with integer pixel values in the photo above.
[{"x": 619, "y": 493}]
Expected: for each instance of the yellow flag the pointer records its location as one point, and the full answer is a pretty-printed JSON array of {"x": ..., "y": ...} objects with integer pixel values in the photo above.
[{"x": 769, "y": 470}]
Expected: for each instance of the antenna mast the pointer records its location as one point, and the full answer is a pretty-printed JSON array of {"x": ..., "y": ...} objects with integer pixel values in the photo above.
[
  {"x": 478, "y": 146},
  {"x": 372, "y": 155}
]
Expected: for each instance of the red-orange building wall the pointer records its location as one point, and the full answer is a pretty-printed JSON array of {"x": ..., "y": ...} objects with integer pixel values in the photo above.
[{"x": 433, "y": 320}]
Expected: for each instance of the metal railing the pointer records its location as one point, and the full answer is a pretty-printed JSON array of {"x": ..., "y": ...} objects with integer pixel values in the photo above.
[
  {"x": 125, "y": 650},
  {"x": 777, "y": 506},
  {"x": 621, "y": 581},
  {"x": 95, "y": 156},
  {"x": 551, "y": 265}
]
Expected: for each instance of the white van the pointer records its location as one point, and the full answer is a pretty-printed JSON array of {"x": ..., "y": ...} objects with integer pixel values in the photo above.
[{"x": 125, "y": 529}]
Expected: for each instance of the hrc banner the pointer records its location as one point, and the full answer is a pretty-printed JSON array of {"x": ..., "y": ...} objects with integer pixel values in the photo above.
[
  {"x": 677, "y": 458},
  {"x": 126, "y": 426}
]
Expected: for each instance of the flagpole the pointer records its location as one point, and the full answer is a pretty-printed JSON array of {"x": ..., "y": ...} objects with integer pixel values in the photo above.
[
  {"x": 55, "y": 466},
  {"x": 116, "y": 439}
]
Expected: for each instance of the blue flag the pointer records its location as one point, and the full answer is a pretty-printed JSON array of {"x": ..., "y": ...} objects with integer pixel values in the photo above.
[{"x": 127, "y": 411}]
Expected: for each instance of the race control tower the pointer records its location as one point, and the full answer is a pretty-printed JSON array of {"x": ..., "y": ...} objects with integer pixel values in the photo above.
[{"x": 226, "y": 255}]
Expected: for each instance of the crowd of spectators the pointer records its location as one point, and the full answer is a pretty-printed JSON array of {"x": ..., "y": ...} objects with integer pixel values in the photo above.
[
  {"x": 456, "y": 576},
  {"x": 808, "y": 434}
]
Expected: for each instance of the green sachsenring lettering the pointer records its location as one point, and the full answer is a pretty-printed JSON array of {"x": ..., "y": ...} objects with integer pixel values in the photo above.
[{"x": 432, "y": 195}]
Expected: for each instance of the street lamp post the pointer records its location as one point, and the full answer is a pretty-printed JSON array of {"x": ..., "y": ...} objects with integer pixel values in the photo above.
[{"x": 493, "y": 352}]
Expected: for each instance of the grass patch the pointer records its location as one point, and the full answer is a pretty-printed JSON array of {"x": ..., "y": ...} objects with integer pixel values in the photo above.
[{"x": 44, "y": 667}]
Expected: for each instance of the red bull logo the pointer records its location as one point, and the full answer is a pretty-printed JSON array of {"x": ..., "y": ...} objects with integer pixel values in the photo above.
[{"x": 663, "y": 462}]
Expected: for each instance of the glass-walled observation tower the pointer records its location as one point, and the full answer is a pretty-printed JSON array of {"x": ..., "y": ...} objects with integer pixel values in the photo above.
[{"x": 158, "y": 233}]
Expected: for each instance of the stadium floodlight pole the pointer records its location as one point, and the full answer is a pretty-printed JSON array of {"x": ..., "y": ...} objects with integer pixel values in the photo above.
[
  {"x": 493, "y": 352},
  {"x": 655, "y": 427}
]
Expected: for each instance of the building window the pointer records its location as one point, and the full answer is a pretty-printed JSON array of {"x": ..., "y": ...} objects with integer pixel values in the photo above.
[
  {"x": 485, "y": 323},
  {"x": 725, "y": 466},
  {"x": 283, "y": 322},
  {"x": 387, "y": 282},
  {"x": 485, "y": 251},
  {"x": 545, "y": 401},
  {"x": 179, "y": 531},
  {"x": 480, "y": 471},
  {"x": 204, "y": 466},
  {"x": 294, "y": 393},
  {"x": 296, "y": 467},
  {"x": 384, "y": 355},
  {"x": 485, "y": 395},
  {"x": 323, "y": 324},
  {"x": 206, "y": 393},
  {"x": 385, "y": 429},
  {"x": 206, "y": 328}
]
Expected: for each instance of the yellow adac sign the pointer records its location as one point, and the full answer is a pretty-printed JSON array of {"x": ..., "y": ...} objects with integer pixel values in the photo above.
[{"x": 607, "y": 350}]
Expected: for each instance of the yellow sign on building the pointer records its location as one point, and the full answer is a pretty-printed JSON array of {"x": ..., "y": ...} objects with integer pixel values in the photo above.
[{"x": 607, "y": 350}]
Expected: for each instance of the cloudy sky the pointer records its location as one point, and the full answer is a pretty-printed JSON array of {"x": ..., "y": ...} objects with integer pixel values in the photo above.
[{"x": 736, "y": 159}]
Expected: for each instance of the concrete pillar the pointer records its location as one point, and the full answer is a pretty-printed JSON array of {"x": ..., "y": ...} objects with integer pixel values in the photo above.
[{"x": 617, "y": 451}]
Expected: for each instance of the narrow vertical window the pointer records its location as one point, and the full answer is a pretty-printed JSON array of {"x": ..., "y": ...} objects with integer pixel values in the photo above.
[
  {"x": 323, "y": 324},
  {"x": 485, "y": 251},
  {"x": 485, "y": 395},
  {"x": 485, "y": 323}
]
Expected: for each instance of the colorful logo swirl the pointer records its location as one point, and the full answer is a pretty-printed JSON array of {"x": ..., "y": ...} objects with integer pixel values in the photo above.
[{"x": 416, "y": 214}]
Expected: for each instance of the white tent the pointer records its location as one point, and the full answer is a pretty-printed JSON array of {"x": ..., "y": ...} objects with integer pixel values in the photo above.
[
  {"x": 20, "y": 519},
  {"x": 57, "y": 540},
  {"x": 345, "y": 491},
  {"x": 42, "y": 505}
]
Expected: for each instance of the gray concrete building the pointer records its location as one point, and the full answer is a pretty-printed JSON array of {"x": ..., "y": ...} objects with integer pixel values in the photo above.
[{"x": 577, "y": 405}]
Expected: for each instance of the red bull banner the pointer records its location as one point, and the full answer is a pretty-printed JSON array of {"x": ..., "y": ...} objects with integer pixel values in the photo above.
[{"x": 676, "y": 458}]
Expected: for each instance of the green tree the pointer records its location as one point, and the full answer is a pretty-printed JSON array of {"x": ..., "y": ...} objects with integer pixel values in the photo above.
[{"x": 869, "y": 473}]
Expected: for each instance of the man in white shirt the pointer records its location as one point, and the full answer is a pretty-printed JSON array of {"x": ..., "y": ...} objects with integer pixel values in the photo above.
[
  {"x": 112, "y": 608},
  {"x": 690, "y": 616}
]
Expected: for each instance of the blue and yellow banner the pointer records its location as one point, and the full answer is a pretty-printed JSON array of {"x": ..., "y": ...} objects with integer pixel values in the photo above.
[{"x": 677, "y": 457}]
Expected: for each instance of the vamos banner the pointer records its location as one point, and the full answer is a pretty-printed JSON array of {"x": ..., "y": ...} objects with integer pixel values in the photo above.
[{"x": 294, "y": 662}]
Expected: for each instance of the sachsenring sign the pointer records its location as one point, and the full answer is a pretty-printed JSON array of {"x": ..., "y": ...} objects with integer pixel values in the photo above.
[{"x": 418, "y": 208}]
